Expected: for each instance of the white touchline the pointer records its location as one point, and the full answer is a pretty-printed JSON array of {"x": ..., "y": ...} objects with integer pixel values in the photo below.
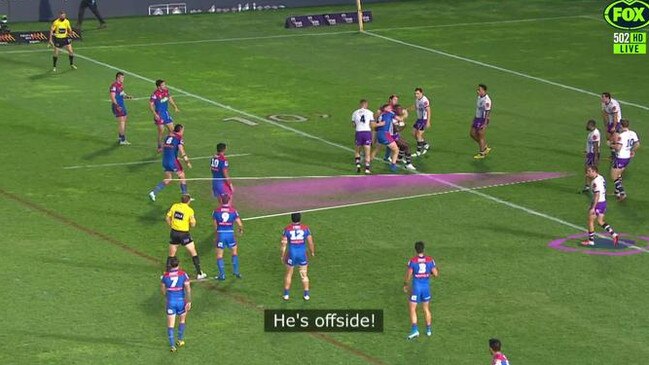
[
  {"x": 334, "y": 144},
  {"x": 142, "y": 98},
  {"x": 141, "y": 162},
  {"x": 297, "y": 35},
  {"x": 502, "y": 69}
]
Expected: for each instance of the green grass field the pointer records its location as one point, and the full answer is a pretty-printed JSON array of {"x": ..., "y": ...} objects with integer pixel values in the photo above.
[{"x": 84, "y": 247}]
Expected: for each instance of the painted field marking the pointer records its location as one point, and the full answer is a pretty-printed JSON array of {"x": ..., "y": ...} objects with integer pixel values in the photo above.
[{"x": 142, "y": 162}]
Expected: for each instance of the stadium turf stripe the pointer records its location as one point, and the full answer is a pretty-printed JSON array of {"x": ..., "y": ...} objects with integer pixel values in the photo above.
[
  {"x": 158, "y": 262},
  {"x": 143, "y": 162},
  {"x": 349, "y": 149},
  {"x": 502, "y": 69},
  {"x": 298, "y": 35}
]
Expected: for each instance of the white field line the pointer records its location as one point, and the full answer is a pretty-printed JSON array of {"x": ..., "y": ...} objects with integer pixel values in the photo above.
[
  {"x": 502, "y": 69},
  {"x": 141, "y": 162},
  {"x": 144, "y": 98},
  {"x": 346, "y": 148},
  {"x": 323, "y": 176},
  {"x": 296, "y": 35},
  {"x": 391, "y": 199}
]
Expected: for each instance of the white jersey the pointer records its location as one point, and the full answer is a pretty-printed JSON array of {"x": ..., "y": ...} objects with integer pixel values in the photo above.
[
  {"x": 592, "y": 141},
  {"x": 599, "y": 186},
  {"x": 421, "y": 105},
  {"x": 361, "y": 119},
  {"x": 613, "y": 111},
  {"x": 627, "y": 139},
  {"x": 483, "y": 105}
]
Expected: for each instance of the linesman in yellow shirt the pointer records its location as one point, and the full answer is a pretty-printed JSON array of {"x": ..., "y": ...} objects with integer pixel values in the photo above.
[
  {"x": 180, "y": 218},
  {"x": 59, "y": 38}
]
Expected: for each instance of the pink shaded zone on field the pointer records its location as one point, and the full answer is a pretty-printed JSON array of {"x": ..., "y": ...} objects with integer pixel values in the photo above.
[{"x": 273, "y": 196}]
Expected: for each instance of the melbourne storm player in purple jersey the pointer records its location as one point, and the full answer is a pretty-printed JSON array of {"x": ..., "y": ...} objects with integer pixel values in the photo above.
[
  {"x": 420, "y": 268},
  {"x": 173, "y": 144},
  {"x": 597, "y": 208},
  {"x": 159, "y": 105},
  {"x": 361, "y": 120},
  {"x": 294, "y": 253},
  {"x": 175, "y": 287},
  {"x": 593, "y": 141},
  {"x": 221, "y": 183},
  {"x": 117, "y": 96},
  {"x": 481, "y": 121},
  {"x": 626, "y": 145},
  {"x": 224, "y": 218}
]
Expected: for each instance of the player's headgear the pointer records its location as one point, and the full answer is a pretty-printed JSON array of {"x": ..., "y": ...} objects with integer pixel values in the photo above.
[
  {"x": 419, "y": 246},
  {"x": 296, "y": 217},
  {"x": 483, "y": 87},
  {"x": 173, "y": 262},
  {"x": 220, "y": 147},
  {"x": 178, "y": 128},
  {"x": 159, "y": 82},
  {"x": 494, "y": 344},
  {"x": 185, "y": 198},
  {"x": 625, "y": 123}
]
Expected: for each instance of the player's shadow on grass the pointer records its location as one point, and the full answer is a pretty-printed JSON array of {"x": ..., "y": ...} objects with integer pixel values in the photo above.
[
  {"x": 481, "y": 166},
  {"x": 91, "y": 339},
  {"x": 100, "y": 152},
  {"x": 154, "y": 215}
]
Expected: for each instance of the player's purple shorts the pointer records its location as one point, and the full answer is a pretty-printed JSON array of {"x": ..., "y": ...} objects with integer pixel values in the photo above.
[
  {"x": 591, "y": 159},
  {"x": 384, "y": 138},
  {"x": 420, "y": 124},
  {"x": 620, "y": 163},
  {"x": 479, "y": 123},
  {"x": 610, "y": 129},
  {"x": 600, "y": 208},
  {"x": 172, "y": 166},
  {"x": 165, "y": 118},
  {"x": 118, "y": 113},
  {"x": 363, "y": 138}
]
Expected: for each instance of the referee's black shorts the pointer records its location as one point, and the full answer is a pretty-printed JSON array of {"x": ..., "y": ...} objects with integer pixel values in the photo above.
[
  {"x": 61, "y": 42},
  {"x": 180, "y": 238}
]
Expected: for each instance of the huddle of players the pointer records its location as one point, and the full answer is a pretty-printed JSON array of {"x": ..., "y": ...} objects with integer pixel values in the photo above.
[
  {"x": 623, "y": 143},
  {"x": 383, "y": 128}
]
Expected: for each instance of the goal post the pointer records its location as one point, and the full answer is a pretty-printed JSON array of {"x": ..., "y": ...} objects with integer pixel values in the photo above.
[{"x": 359, "y": 10}]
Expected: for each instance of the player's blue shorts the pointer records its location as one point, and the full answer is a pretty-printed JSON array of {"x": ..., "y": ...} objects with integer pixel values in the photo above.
[
  {"x": 225, "y": 240},
  {"x": 119, "y": 113},
  {"x": 219, "y": 188},
  {"x": 165, "y": 118},
  {"x": 296, "y": 256},
  {"x": 172, "y": 166},
  {"x": 420, "y": 294},
  {"x": 175, "y": 306},
  {"x": 384, "y": 138}
]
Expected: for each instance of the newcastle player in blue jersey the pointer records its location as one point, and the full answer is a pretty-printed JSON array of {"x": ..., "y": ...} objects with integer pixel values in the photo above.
[
  {"x": 224, "y": 218},
  {"x": 221, "y": 183},
  {"x": 173, "y": 144},
  {"x": 294, "y": 253},
  {"x": 420, "y": 268},
  {"x": 117, "y": 96},
  {"x": 176, "y": 289}
]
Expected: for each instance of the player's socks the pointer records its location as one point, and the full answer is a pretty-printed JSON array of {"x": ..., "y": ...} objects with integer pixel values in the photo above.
[
  {"x": 71, "y": 58},
  {"x": 161, "y": 185},
  {"x": 367, "y": 168},
  {"x": 619, "y": 189},
  {"x": 387, "y": 154},
  {"x": 235, "y": 264},
  {"x": 170, "y": 335},
  {"x": 285, "y": 295},
  {"x": 414, "y": 331},
  {"x": 183, "y": 188},
  {"x": 607, "y": 227},
  {"x": 306, "y": 295},
  {"x": 429, "y": 330},
  {"x": 181, "y": 331},
  {"x": 54, "y": 61},
  {"x": 591, "y": 236},
  {"x": 401, "y": 155},
  {"x": 357, "y": 161},
  {"x": 408, "y": 158},
  {"x": 197, "y": 264},
  {"x": 221, "y": 266}
]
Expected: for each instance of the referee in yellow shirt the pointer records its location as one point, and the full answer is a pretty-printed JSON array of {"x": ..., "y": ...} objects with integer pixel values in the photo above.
[
  {"x": 180, "y": 218},
  {"x": 59, "y": 38}
]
